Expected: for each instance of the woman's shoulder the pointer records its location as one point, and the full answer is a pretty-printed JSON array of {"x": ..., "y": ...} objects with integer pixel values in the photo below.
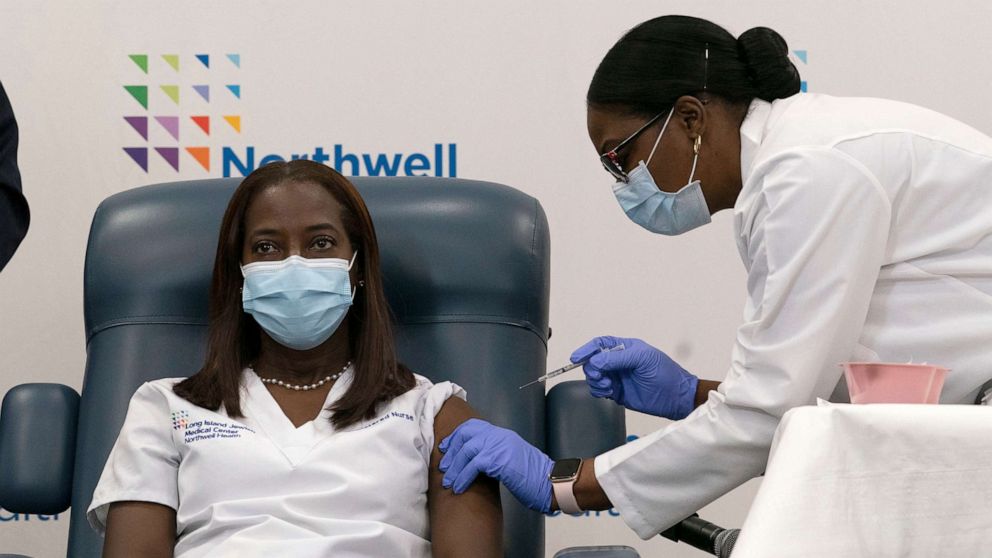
[
  {"x": 426, "y": 397},
  {"x": 161, "y": 385},
  {"x": 157, "y": 391},
  {"x": 425, "y": 386},
  {"x": 422, "y": 382}
]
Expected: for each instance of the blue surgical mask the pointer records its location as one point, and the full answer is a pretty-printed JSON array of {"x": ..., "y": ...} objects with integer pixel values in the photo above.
[
  {"x": 668, "y": 213},
  {"x": 299, "y": 302}
]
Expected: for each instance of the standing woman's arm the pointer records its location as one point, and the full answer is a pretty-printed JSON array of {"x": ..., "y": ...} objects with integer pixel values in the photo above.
[
  {"x": 468, "y": 524},
  {"x": 140, "y": 529}
]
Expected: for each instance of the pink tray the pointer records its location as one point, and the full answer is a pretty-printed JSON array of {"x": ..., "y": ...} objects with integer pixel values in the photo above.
[{"x": 886, "y": 382}]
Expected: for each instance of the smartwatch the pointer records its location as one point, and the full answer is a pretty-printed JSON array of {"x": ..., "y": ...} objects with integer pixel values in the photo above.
[{"x": 563, "y": 477}]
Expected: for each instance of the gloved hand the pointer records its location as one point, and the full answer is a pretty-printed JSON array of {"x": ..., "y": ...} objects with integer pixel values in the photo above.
[
  {"x": 639, "y": 377},
  {"x": 479, "y": 447}
]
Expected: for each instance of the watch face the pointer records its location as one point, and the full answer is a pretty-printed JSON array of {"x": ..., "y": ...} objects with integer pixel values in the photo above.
[{"x": 565, "y": 469}]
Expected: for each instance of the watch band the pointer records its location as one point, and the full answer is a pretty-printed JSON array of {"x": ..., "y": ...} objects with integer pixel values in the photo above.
[
  {"x": 563, "y": 476},
  {"x": 565, "y": 496}
]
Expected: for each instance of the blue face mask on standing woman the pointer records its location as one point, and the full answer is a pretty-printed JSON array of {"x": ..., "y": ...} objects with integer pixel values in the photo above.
[
  {"x": 299, "y": 302},
  {"x": 668, "y": 213}
]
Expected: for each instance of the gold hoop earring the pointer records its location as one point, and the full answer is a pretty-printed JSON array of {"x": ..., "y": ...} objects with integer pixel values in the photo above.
[{"x": 696, "y": 144}]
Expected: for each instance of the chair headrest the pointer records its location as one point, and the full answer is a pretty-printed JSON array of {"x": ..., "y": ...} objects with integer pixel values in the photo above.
[{"x": 453, "y": 250}]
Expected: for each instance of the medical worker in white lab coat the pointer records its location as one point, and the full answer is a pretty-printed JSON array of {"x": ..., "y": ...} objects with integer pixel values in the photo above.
[{"x": 865, "y": 226}]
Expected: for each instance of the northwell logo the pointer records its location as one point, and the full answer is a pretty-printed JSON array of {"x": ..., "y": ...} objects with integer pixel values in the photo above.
[
  {"x": 180, "y": 108},
  {"x": 163, "y": 99},
  {"x": 369, "y": 164},
  {"x": 180, "y": 420}
]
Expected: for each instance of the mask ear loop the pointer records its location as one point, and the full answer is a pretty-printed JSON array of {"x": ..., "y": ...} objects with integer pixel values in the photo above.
[
  {"x": 657, "y": 141},
  {"x": 699, "y": 138},
  {"x": 350, "y": 265},
  {"x": 695, "y": 156}
]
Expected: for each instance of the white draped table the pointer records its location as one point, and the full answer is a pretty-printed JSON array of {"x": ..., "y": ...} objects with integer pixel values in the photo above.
[{"x": 875, "y": 481}]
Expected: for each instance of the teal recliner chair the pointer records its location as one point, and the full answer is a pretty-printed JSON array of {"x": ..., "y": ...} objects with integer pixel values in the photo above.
[{"x": 466, "y": 268}]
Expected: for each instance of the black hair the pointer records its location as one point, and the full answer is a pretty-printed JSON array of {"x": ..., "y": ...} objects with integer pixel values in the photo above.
[{"x": 662, "y": 59}]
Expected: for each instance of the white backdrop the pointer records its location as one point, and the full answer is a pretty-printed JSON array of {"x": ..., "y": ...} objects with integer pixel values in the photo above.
[{"x": 504, "y": 82}]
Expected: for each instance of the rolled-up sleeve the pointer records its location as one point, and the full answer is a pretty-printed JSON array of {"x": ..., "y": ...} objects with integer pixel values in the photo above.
[
  {"x": 144, "y": 462},
  {"x": 816, "y": 242},
  {"x": 432, "y": 398}
]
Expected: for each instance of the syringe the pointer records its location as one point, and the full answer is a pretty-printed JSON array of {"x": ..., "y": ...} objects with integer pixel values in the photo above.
[{"x": 572, "y": 366}]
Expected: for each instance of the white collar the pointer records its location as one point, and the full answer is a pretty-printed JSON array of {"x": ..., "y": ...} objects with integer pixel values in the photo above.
[
  {"x": 271, "y": 417},
  {"x": 752, "y": 133}
]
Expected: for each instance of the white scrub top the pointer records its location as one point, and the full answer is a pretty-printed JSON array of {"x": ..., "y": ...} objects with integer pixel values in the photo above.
[
  {"x": 865, "y": 226},
  {"x": 258, "y": 486}
]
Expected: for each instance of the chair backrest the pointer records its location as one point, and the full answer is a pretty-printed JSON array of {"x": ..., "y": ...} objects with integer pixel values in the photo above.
[{"x": 466, "y": 268}]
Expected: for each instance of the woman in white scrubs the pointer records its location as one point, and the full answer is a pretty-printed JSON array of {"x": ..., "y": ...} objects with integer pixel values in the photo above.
[
  {"x": 301, "y": 435},
  {"x": 865, "y": 226}
]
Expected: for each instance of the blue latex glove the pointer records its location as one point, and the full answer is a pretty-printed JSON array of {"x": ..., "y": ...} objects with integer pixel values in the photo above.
[
  {"x": 479, "y": 447},
  {"x": 640, "y": 377}
]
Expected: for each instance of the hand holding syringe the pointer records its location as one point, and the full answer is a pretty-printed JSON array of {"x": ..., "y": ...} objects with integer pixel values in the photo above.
[{"x": 572, "y": 366}]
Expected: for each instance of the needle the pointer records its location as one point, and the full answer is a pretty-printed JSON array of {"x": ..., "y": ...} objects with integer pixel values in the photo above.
[{"x": 572, "y": 366}]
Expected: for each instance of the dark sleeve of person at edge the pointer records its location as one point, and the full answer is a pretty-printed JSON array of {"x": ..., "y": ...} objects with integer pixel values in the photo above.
[{"x": 14, "y": 215}]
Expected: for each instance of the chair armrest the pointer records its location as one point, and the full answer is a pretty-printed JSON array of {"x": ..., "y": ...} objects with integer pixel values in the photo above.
[
  {"x": 37, "y": 448},
  {"x": 580, "y": 425},
  {"x": 597, "y": 552}
]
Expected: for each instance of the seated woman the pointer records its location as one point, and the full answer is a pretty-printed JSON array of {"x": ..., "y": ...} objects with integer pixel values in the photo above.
[{"x": 301, "y": 435}]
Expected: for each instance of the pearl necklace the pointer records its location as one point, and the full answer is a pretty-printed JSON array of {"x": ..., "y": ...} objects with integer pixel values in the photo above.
[{"x": 298, "y": 387}]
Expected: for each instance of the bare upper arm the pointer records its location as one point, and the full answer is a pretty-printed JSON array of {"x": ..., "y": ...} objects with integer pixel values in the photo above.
[
  {"x": 468, "y": 524},
  {"x": 140, "y": 529}
]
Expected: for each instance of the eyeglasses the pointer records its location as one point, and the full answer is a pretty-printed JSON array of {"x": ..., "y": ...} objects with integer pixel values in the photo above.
[{"x": 611, "y": 159}]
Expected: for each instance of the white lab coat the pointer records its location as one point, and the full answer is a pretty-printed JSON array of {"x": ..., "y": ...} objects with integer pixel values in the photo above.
[
  {"x": 865, "y": 226},
  {"x": 258, "y": 486}
]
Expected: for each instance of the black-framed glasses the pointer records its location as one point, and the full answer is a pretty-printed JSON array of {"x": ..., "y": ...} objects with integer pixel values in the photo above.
[{"x": 611, "y": 159}]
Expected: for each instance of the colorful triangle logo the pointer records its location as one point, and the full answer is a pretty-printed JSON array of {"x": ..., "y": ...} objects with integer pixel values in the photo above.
[
  {"x": 204, "y": 91},
  {"x": 140, "y": 124},
  {"x": 235, "y": 59},
  {"x": 235, "y": 122},
  {"x": 236, "y": 89},
  {"x": 170, "y": 154},
  {"x": 172, "y": 91},
  {"x": 202, "y": 156},
  {"x": 139, "y": 155},
  {"x": 139, "y": 92},
  {"x": 203, "y": 122},
  {"x": 172, "y": 60},
  {"x": 141, "y": 60},
  {"x": 204, "y": 59},
  {"x": 801, "y": 55},
  {"x": 171, "y": 125}
]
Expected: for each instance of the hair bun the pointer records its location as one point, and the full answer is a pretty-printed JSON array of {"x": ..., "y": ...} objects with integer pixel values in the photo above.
[{"x": 766, "y": 55}]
